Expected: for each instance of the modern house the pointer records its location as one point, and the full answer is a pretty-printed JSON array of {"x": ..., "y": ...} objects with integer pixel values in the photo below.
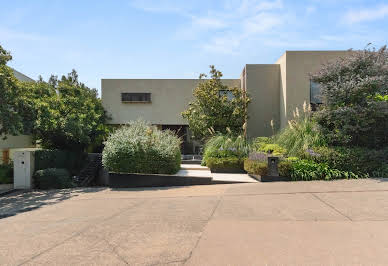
[
  {"x": 13, "y": 143},
  {"x": 275, "y": 89}
]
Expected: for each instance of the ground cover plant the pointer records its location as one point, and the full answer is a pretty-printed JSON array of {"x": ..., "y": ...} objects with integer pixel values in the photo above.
[{"x": 139, "y": 147}]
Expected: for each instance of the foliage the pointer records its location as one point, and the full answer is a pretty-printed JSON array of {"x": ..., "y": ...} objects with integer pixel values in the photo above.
[
  {"x": 301, "y": 133},
  {"x": 141, "y": 148},
  {"x": 52, "y": 178},
  {"x": 273, "y": 149},
  {"x": 310, "y": 170},
  {"x": 224, "y": 146},
  {"x": 212, "y": 110},
  {"x": 355, "y": 159},
  {"x": 256, "y": 167},
  {"x": 225, "y": 163},
  {"x": 259, "y": 142},
  {"x": 14, "y": 109},
  {"x": 6, "y": 173},
  {"x": 353, "y": 89},
  {"x": 285, "y": 167},
  {"x": 259, "y": 156},
  {"x": 69, "y": 115},
  {"x": 381, "y": 171},
  {"x": 71, "y": 161}
]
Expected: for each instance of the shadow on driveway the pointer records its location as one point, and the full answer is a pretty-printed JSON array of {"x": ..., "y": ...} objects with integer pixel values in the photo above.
[{"x": 22, "y": 201}]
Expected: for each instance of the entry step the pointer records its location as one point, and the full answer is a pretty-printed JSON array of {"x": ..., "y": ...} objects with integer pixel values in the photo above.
[{"x": 194, "y": 167}]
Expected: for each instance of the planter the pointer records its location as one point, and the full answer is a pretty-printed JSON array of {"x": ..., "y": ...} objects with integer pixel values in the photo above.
[
  {"x": 267, "y": 178},
  {"x": 227, "y": 170},
  {"x": 130, "y": 180}
]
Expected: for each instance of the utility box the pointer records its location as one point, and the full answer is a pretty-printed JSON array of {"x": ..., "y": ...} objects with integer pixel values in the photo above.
[{"x": 24, "y": 165}]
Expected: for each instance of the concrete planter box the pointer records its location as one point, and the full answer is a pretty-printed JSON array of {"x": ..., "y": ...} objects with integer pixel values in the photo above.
[
  {"x": 130, "y": 180},
  {"x": 227, "y": 170},
  {"x": 267, "y": 178}
]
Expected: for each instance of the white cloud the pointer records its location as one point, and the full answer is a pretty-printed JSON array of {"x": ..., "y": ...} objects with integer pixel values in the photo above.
[{"x": 367, "y": 14}]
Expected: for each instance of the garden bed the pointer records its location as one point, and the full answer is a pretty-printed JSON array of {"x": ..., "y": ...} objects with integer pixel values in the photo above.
[{"x": 131, "y": 180}]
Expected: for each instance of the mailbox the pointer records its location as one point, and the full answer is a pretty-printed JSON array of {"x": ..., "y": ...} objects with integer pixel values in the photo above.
[{"x": 23, "y": 169}]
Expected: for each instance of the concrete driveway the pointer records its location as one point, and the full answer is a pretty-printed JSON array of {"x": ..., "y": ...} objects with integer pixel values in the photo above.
[{"x": 297, "y": 223}]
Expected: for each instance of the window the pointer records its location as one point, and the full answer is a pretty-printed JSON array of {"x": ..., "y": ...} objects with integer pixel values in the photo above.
[
  {"x": 136, "y": 97},
  {"x": 315, "y": 93},
  {"x": 226, "y": 93}
]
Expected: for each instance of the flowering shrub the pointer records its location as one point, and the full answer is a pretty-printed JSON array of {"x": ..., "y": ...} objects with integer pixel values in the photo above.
[{"x": 141, "y": 148}]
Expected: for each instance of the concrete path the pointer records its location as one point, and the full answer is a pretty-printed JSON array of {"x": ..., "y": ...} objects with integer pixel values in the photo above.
[{"x": 296, "y": 223}]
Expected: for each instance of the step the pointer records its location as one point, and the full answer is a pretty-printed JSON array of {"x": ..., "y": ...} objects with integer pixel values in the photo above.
[
  {"x": 194, "y": 167},
  {"x": 191, "y": 161}
]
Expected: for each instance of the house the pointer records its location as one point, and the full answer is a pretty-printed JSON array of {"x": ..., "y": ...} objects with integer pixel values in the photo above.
[
  {"x": 12, "y": 143},
  {"x": 275, "y": 91}
]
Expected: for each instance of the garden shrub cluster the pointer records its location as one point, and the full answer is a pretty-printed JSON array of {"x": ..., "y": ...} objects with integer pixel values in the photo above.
[
  {"x": 226, "y": 152},
  {"x": 71, "y": 161},
  {"x": 52, "y": 178},
  {"x": 6, "y": 173},
  {"x": 141, "y": 148}
]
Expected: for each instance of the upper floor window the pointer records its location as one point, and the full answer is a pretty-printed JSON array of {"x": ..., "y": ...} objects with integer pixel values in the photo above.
[
  {"x": 136, "y": 97},
  {"x": 315, "y": 93},
  {"x": 229, "y": 94}
]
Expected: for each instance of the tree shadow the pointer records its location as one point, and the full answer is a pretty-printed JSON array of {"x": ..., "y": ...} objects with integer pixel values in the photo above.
[{"x": 24, "y": 201}]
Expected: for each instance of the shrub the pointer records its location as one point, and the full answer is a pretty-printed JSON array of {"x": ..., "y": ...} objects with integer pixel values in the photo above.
[
  {"x": 273, "y": 149},
  {"x": 71, "y": 161},
  {"x": 6, "y": 174},
  {"x": 356, "y": 159},
  {"x": 353, "y": 89},
  {"x": 225, "y": 146},
  {"x": 301, "y": 133},
  {"x": 259, "y": 142},
  {"x": 141, "y": 148},
  {"x": 256, "y": 167},
  {"x": 225, "y": 163},
  {"x": 310, "y": 170},
  {"x": 52, "y": 178},
  {"x": 285, "y": 167}
]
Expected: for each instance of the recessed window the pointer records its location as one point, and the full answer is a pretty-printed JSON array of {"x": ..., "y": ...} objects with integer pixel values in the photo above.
[
  {"x": 315, "y": 93},
  {"x": 229, "y": 94},
  {"x": 136, "y": 97}
]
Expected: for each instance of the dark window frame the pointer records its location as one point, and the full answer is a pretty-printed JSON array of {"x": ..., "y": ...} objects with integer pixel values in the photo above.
[{"x": 136, "y": 97}]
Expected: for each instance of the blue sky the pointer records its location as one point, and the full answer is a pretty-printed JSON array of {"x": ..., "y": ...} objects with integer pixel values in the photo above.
[{"x": 178, "y": 39}]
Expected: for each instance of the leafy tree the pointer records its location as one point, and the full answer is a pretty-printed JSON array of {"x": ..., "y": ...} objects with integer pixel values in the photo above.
[
  {"x": 213, "y": 111},
  {"x": 13, "y": 107},
  {"x": 354, "y": 90},
  {"x": 69, "y": 115}
]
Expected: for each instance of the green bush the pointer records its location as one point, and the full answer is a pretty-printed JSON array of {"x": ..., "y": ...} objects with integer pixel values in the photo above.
[
  {"x": 226, "y": 146},
  {"x": 285, "y": 167},
  {"x": 72, "y": 161},
  {"x": 259, "y": 142},
  {"x": 52, "y": 178},
  {"x": 6, "y": 173},
  {"x": 225, "y": 163},
  {"x": 141, "y": 148},
  {"x": 354, "y": 159},
  {"x": 273, "y": 149},
  {"x": 310, "y": 170},
  {"x": 256, "y": 167}
]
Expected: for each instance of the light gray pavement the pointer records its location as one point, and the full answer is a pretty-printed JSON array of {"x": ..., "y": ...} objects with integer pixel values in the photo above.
[{"x": 297, "y": 223}]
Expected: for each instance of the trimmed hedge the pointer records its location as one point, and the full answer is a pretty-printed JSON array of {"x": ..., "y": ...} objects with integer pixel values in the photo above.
[
  {"x": 72, "y": 161},
  {"x": 225, "y": 163},
  {"x": 256, "y": 167},
  {"x": 6, "y": 174},
  {"x": 356, "y": 159},
  {"x": 141, "y": 148},
  {"x": 52, "y": 178}
]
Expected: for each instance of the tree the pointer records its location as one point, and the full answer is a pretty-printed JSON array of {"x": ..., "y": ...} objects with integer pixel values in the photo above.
[
  {"x": 69, "y": 115},
  {"x": 354, "y": 90},
  {"x": 13, "y": 107},
  {"x": 216, "y": 107}
]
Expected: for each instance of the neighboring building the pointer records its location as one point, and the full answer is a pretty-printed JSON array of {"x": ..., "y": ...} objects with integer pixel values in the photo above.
[
  {"x": 13, "y": 143},
  {"x": 275, "y": 89}
]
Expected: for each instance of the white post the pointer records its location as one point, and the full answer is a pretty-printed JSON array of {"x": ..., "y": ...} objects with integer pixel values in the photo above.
[{"x": 24, "y": 166}]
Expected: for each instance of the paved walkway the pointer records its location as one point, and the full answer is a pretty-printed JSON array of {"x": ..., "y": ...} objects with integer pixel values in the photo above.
[
  {"x": 296, "y": 223},
  {"x": 202, "y": 171}
]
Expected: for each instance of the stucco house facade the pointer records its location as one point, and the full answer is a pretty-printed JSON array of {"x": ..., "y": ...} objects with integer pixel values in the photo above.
[{"x": 275, "y": 91}]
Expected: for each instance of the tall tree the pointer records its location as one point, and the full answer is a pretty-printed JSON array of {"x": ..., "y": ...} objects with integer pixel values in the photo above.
[
  {"x": 13, "y": 107},
  {"x": 216, "y": 107},
  {"x": 354, "y": 90}
]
